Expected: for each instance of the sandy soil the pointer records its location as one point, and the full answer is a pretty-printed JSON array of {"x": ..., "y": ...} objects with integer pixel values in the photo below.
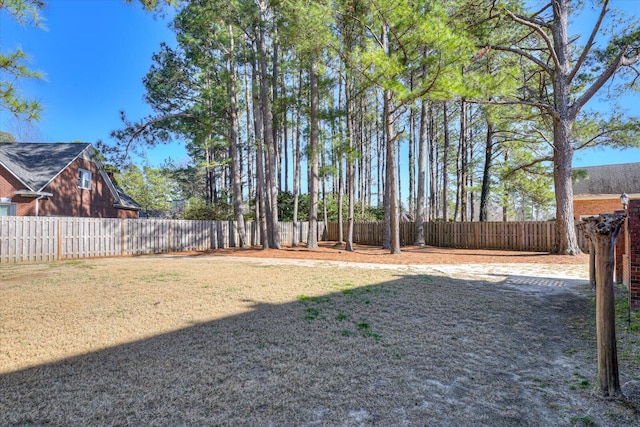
[
  {"x": 411, "y": 255},
  {"x": 248, "y": 337}
]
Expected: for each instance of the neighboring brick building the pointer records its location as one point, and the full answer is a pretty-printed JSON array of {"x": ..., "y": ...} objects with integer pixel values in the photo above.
[
  {"x": 42, "y": 179},
  {"x": 599, "y": 191}
]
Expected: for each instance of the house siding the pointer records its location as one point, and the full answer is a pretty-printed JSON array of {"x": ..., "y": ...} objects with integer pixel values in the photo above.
[
  {"x": 127, "y": 213},
  {"x": 68, "y": 199},
  {"x": 9, "y": 184},
  {"x": 595, "y": 207}
]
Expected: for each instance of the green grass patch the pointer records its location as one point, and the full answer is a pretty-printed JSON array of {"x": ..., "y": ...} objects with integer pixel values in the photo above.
[
  {"x": 373, "y": 335},
  {"x": 319, "y": 300},
  {"x": 582, "y": 421},
  {"x": 624, "y": 318},
  {"x": 312, "y": 313},
  {"x": 627, "y": 330},
  {"x": 363, "y": 326},
  {"x": 72, "y": 263},
  {"x": 323, "y": 308}
]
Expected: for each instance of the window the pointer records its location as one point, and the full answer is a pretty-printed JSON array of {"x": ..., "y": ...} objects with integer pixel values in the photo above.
[
  {"x": 84, "y": 179},
  {"x": 7, "y": 209}
]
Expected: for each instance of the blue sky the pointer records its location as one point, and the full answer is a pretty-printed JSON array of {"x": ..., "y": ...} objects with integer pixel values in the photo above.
[{"x": 95, "y": 53}]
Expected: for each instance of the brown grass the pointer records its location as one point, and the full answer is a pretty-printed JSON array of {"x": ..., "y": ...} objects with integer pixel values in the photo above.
[{"x": 209, "y": 340}]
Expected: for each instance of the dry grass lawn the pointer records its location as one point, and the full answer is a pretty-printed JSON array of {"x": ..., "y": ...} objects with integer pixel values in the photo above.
[{"x": 213, "y": 340}]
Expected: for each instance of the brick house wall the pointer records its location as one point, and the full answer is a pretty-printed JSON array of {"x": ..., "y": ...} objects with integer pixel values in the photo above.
[
  {"x": 632, "y": 266},
  {"x": 8, "y": 185},
  {"x": 68, "y": 199},
  {"x": 621, "y": 249},
  {"x": 127, "y": 213},
  {"x": 595, "y": 207}
]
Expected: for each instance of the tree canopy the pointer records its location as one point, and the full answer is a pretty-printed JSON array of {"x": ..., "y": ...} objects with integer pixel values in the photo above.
[
  {"x": 14, "y": 63},
  {"x": 490, "y": 97}
]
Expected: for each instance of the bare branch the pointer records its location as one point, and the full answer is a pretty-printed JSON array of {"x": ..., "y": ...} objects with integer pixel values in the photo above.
[
  {"x": 543, "y": 136},
  {"x": 524, "y": 54},
  {"x": 590, "y": 42},
  {"x": 540, "y": 105},
  {"x": 605, "y": 132},
  {"x": 618, "y": 62},
  {"x": 142, "y": 128},
  {"x": 635, "y": 79},
  {"x": 392, "y": 31},
  {"x": 368, "y": 27},
  {"x": 535, "y": 26},
  {"x": 527, "y": 166},
  {"x": 541, "y": 10}
]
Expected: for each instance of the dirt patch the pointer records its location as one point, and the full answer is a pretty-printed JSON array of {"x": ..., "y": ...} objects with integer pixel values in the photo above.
[
  {"x": 220, "y": 340},
  {"x": 334, "y": 251}
]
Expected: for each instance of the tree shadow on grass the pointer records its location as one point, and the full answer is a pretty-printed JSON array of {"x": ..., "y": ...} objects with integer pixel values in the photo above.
[{"x": 419, "y": 350}]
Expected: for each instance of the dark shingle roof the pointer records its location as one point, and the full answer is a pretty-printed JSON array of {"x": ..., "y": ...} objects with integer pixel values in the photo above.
[
  {"x": 36, "y": 164},
  {"x": 126, "y": 200},
  {"x": 609, "y": 179}
]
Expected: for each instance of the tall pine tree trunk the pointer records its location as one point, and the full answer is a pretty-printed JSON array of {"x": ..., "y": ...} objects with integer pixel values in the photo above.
[
  {"x": 312, "y": 241},
  {"x": 269, "y": 143},
  {"x": 566, "y": 239},
  {"x": 296, "y": 165},
  {"x": 486, "y": 173},
  {"x": 277, "y": 117},
  {"x": 261, "y": 189},
  {"x": 445, "y": 165},
  {"x": 391, "y": 181},
  {"x": 564, "y": 117},
  {"x": 351, "y": 175},
  {"x": 411, "y": 165},
  {"x": 433, "y": 176},
  {"x": 464, "y": 168},
  {"x": 236, "y": 179},
  {"x": 250, "y": 147},
  {"x": 341, "y": 155},
  {"x": 422, "y": 175}
]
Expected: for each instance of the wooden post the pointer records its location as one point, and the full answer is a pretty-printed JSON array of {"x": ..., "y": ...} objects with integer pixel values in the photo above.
[
  {"x": 592, "y": 264},
  {"x": 582, "y": 226},
  {"x": 603, "y": 232}
]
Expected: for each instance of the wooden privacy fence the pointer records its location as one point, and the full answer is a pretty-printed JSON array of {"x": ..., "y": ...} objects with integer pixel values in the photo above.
[
  {"x": 53, "y": 238},
  {"x": 519, "y": 236}
]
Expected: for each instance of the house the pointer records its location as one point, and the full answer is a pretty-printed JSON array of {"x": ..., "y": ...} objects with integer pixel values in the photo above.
[
  {"x": 597, "y": 189},
  {"x": 46, "y": 179}
]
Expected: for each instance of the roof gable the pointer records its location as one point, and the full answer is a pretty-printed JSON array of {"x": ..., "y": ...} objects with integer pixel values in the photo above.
[
  {"x": 37, "y": 164},
  {"x": 609, "y": 179},
  {"x": 126, "y": 201}
]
